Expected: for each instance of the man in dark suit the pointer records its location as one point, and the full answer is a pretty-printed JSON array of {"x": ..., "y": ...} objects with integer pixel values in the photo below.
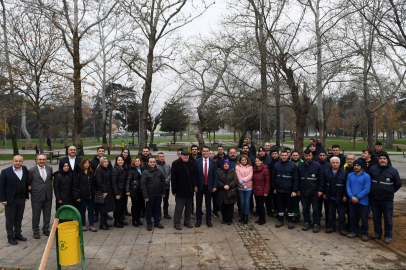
[
  {"x": 13, "y": 193},
  {"x": 182, "y": 188},
  {"x": 205, "y": 183},
  {"x": 40, "y": 185},
  {"x": 71, "y": 159},
  {"x": 252, "y": 149}
]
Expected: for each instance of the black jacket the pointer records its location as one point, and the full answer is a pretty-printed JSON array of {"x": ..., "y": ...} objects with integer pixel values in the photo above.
[
  {"x": 66, "y": 160},
  {"x": 385, "y": 182},
  {"x": 287, "y": 177},
  {"x": 95, "y": 162},
  {"x": 225, "y": 178},
  {"x": 376, "y": 156},
  {"x": 368, "y": 165},
  {"x": 118, "y": 180},
  {"x": 325, "y": 165},
  {"x": 182, "y": 178},
  {"x": 63, "y": 183},
  {"x": 152, "y": 182},
  {"x": 133, "y": 183},
  {"x": 311, "y": 178},
  {"x": 340, "y": 182},
  {"x": 252, "y": 150},
  {"x": 219, "y": 160},
  {"x": 193, "y": 159},
  {"x": 83, "y": 185},
  {"x": 103, "y": 180}
]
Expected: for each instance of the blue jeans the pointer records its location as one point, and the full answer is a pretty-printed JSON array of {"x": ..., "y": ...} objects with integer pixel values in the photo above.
[
  {"x": 90, "y": 214},
  {"x": 357, "y": 212},
  {"x": 244, "y": 198},
  {"x": 384, "y": 208},
  {"x": 153, "y": 208}
]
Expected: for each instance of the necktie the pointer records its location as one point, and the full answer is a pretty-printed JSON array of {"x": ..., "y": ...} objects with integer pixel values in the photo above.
[
  {"x": 205, "y": 171},
  {"x": 43, "y": 174}
]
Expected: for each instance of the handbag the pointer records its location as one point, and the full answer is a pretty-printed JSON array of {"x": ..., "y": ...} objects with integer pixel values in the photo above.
[
  {"x": 98, "y": 197},
  {"x": 231, "y": 193}
]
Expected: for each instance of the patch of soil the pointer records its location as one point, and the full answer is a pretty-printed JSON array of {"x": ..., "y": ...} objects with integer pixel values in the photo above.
[{"x": 399, "y": 228}]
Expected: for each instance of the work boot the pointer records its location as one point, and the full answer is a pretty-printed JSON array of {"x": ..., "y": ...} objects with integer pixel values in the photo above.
[
  {"x": 125, "y": 223},
  {"x": 343, "y": 233},
  {"x": 306, "y": 227},
  {"x": 139, "y": 222},
  {"x": 387, "y": 240},
  {"x": 135, "y": 223},
  {"x": 159, "y": 226},
  {"x": 19, "y": 237},
  {"x": 364, "y": 237},
  {"x": 330, "y": 230},
  {"x": 279, "y": 224},
  {"x": 104, "y": 227},
  {"x": 352, "y": 235},
  {"x": 262, "y": 221},
  {"x": 316, "y": 228},
  {"x": 376, "y": 236},
  {"x": 12, "y": 240},
  {"x": 290, "y": 225}
]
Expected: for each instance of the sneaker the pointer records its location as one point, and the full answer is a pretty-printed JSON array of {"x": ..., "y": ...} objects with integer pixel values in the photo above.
[
  {"x": 296, "y": 220},
  {"x": 387, "y": 240},
  {"x": 84, "y": 228},
  {"x": 316, "y": 228},
  {"x": 352, "y": 235},
  {"x": 364, "y": 237},
  {"x": 149, "y": 227},
  {"x": 279, "y": 224},
  {"x": 343, "y": 233},
  {"x": 330, "y": 230},
  {"x": 376, "y": 236},
  {"x": 306, "y": 227},
  {"x": 290, "y": 225}
]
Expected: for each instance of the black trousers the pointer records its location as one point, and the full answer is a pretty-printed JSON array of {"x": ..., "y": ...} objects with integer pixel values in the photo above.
[
  {"x": 103, "y": 218},
  {"x": 326, "y": 208},
  {"x": 285, "y": 201},
  {"x": 385, "y": 209},
  {"x": 227, "y": 212},
  {"x": 14, "y": 216},
  {"x": 260, "y": 200},
  {"x": 216, "y": 207},
  {"x": 166, "y": 202},
  {"x": 271, "y": 201},
  {"x": 314, "y": 202},
  {"x": 199, "y": 202},
  {"x": 121, "y": 206},
  {"x": 341, "y": 210},
  {"x": 137, "y": 204}
]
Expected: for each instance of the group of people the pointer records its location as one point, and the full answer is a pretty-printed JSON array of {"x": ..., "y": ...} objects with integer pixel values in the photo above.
[{"x": 278, "y": 182}]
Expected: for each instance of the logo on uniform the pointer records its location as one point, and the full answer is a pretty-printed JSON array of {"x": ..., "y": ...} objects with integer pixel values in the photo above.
[
  {"x": 387, "y": 180},
  {"x": 313, "y": 175}
]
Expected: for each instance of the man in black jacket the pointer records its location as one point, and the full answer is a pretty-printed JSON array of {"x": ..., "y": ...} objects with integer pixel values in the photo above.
[
  {"x": 72, "y": 160},
  {"x": 145, "y": 154},
  {"x": 368, "y": 160},
  {"x": 153, "y": 190},
  {"x": 221, "y": 156},
  {"x": 251, "y": 146},
  {"x": 378, "y": 150},
  {"x": 336, "y": 153},
  {"x": 195, "y": 154},
  {"x": 335, "y": 192},
  {"x": 183, "y": 189},
  {"x": 166, "y": 170},
  {"x": 13, "y": 193},
  {"x": 385, "y": 182}
]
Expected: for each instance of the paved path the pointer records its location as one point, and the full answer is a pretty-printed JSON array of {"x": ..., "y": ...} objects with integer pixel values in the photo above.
[{"x": 220, "y": 247}]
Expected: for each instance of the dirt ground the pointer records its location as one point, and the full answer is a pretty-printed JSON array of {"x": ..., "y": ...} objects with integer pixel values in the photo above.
[{"x": 399, "y": 228}]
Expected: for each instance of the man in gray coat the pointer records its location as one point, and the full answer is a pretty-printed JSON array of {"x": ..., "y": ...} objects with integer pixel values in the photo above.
[
  {"x": 40, "y": 185},
  {"x": 166, "y": 170}
]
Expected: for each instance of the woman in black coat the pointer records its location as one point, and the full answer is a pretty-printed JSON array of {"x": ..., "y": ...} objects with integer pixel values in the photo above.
[
  {"x": 133, "y": 187},
  {"x": 103, "y": 182},
  {"x": 83, "y": 192},
  {"x": 227, "y": 180},
  {"x": 127, "y": 164},
  {"x": 119, "y": 180},
  {"x": 63, "y": 186}
]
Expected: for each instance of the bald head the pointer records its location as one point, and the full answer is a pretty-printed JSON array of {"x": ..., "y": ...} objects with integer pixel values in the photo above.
[{"x": 18, "y": 161}]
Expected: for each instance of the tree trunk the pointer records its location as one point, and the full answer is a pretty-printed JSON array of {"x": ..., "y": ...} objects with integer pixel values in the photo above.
[
  {"x": 235, "y": 135},
  {"x": 242, "y": 137},
  {"x": 24, "y": 123},
  {"x": 77, "y": 85},
  {"x": 174, "y": 137},
  {"x": 10, "y": 119},
  {"x": 214, "y": 136},
  {"x": 39, "y": 127},
  {"x": 199, "y": 133},
  {"x": 278, "y": 110}
]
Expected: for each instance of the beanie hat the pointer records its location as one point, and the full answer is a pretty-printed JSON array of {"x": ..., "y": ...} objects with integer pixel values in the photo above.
[
  {"x": 384, "y": 154},
  {"x": 322, "y": 151},
  {"x": 359, "y": 162},
  {"x": 294, "y": 151},
  {"x": 312, "y": 144}
]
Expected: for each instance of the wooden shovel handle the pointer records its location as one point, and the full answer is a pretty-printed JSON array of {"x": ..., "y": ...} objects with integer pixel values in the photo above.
[{"x": 49, "y": 245}]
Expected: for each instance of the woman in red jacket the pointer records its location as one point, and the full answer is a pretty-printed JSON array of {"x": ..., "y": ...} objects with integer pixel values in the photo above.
[{"x": 261, "y": 187}]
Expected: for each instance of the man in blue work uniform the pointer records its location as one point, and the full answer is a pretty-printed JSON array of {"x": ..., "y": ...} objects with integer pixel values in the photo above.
[
  {"x": 335, "y": 191},
  {"x": 385, "y": 182},
  {"x": 358, "y": 187},
  {"x": 286, "y": 186},
  {"x": 325, "y": 165},
  {"x": 311, "y": 189}
]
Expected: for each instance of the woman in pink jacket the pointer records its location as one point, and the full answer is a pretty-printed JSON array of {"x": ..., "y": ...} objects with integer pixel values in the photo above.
[{"x": 244, "y": 174}]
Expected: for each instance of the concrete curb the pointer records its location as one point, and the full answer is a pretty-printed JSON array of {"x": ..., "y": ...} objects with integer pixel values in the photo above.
[{"x": 381, "y": 243}]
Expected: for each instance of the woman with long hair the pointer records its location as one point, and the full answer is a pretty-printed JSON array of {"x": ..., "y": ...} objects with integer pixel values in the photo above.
[
  {"x": 83, "y": 192},
  {"x": 244, "y": 173},
  {"x": 134, "y": 188},
  {"x": 119, "y": 180}
]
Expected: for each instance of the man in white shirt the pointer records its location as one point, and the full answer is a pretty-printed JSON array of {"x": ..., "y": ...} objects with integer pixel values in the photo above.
[{"x": 72, "y": 159}]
